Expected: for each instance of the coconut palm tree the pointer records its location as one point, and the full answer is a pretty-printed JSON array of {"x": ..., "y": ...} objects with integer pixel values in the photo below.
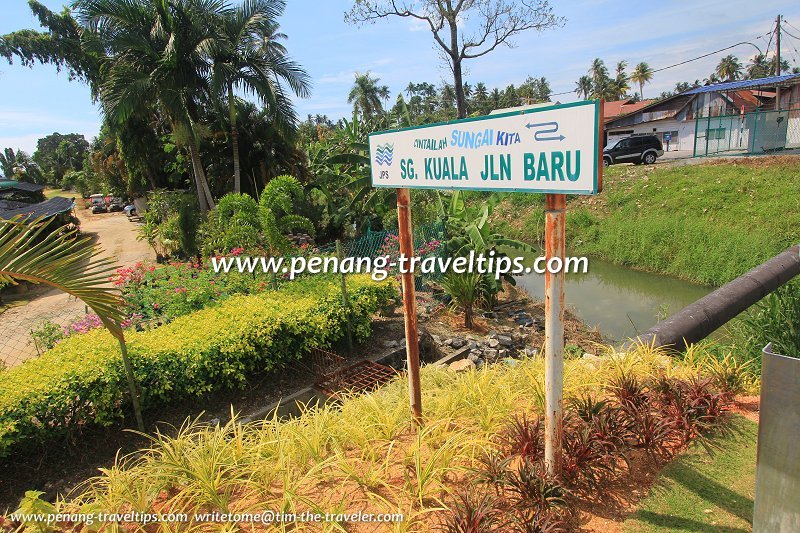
[
  {"x": 583, "y": 87},
  {"x": 250, "y": 58},
  {"x": 20, "y": 166},
  {"x": 642, "y": 73},
  {"x": 30, "y": 251},
  {"x": 158, "y": 51},
  {"x": 621, "y": 81},
  {"x": 367, "y": 96},
  {"x": 759, "y": 67},
  {"x": 729, "y": 68}
]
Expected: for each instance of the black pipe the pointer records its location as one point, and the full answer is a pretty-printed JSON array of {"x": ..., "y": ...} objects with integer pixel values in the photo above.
[{"x": 698, "y": 320}]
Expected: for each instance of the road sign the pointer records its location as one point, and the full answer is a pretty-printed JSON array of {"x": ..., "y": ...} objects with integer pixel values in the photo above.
[{"x": 551, "y": 149}]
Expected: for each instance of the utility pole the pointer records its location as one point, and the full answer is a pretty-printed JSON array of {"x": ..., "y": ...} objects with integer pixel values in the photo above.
[{"x": 778, "y": 61}]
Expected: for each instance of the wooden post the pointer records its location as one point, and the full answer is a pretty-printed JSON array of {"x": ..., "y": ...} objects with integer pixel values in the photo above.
[
  {"x": 554, "y": 236},
  {"x": 409, "y": 304},
  {"x": 345, "y": 301}
]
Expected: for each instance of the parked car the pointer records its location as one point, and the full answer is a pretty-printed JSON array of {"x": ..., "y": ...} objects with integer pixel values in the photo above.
[
  {"x": 637, "y": 150},
  {"x": 98, "y": 203},
  {"x": 116, "y": 204}
]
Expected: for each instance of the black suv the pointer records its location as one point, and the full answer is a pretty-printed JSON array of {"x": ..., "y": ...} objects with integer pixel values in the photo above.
[{"x": 640, "y": 149}]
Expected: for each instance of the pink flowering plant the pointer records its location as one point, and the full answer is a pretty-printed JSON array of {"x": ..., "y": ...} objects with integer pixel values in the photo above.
[
  {"x": 391, "y": 248},
  {"x": 166, "y": 292}
]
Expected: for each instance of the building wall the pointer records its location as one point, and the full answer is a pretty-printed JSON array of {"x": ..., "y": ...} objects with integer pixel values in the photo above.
[{"x": 683, "y": 140}]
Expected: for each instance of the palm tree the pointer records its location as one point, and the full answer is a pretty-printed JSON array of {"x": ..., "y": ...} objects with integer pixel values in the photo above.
[
  {"x": 621, "y": 81},
  {"x": 20, "y": 166},
  {"x": 158, "y": 51},
  {"x": 729, "y": 68},
  {"x": 583, "y": 87},
  {"x": 481, "y": 97},
  {"x": 642, "y": 73},
  {"x": 366, "y": 95},
  {"x": 759, "y": 67},
  {"x": 30, "y": 251},
  {"x": 250, "y": 58}
]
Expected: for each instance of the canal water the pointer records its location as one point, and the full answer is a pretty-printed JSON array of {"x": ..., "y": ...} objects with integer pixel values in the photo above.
[{"x": 619, "y": 301}]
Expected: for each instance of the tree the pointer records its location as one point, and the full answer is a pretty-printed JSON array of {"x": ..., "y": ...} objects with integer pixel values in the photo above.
[
  {"x": 250, "y": 58},
  {"x": 20, "y": 166},
  {"x": 481, "y": 98},
  {"x": 535, "y": 90},
  {"x": 158, "y": 51},
  {"x": 759, "y": 67},
  {"x": 642, "y": 74},
  {"x": 58, "y": 154},
  {"x": 583, "y": 87},
  {"x": 367, "y": 96},
  {"x": 463, "y": 29},
  {"x": 621, "y": 83},
  {"x": 729, "y": 68}
]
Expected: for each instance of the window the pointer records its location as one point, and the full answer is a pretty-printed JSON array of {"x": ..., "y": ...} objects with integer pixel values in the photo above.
[{"x": 716, "y": 134}]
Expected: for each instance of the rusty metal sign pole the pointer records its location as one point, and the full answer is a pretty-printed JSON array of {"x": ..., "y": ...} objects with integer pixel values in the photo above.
[
  {"x": 409, "y": 304},
  {"x": 554, "y": 246},
  {"x": 554, "y": 236}
]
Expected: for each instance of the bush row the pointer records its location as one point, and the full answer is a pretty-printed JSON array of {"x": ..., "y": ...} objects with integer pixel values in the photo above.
[{"x": 82, "y": 379}]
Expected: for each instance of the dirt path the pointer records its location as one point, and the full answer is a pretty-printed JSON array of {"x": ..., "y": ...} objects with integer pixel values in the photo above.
[{"x": 116, "y": 236}]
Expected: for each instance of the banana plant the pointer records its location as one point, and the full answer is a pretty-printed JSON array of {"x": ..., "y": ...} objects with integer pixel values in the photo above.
[
  {"x": 469, "y": 229},
  {"x": 31, "y": 251}
]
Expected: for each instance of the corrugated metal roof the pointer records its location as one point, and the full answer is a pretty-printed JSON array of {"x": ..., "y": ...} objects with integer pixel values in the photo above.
[
  {"x": 48, "y": 208},
  {"x": 744, "y": 84},
  {"x": 20, "y": 185}
]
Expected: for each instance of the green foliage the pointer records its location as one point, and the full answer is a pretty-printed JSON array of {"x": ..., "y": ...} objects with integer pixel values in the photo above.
[
  {"x": 33, "y": 505},
  {"x": 170, "y": 223},
  {"x": 775, "y": 319},
  {"x": 466, "y": 291},
  {"x": 82, "y": 380},
  {"x": 706, "y": 223},
  {"x": 47, "y": 335},
  {"x": 58, "y": 154},
  {"x": 238, "y": 222},
  {"x": 469, "y": 229}
]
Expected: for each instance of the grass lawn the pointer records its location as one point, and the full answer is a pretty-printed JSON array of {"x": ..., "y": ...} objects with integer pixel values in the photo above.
[
  {"x": 707, "y": 223},
  {"x": 52, "y": 193},
  {"x": 696, "y": 492}
]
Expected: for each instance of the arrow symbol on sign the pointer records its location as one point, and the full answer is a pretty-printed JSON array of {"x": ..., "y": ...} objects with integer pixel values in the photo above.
[{"x": 543, "y": 134}]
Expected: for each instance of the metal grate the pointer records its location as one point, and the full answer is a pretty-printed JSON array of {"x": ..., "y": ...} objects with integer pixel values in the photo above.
[{"x": 362, "y": 376}]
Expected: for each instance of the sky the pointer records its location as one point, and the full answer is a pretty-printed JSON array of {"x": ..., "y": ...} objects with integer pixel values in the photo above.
[{"x": 39, "y": 101}]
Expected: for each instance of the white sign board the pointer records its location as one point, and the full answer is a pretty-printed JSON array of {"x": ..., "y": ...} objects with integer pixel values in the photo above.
[{"x": 547, "y": 150}]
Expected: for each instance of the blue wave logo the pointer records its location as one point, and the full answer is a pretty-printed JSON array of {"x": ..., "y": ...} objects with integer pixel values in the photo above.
[{"x": 384, "y": 154}]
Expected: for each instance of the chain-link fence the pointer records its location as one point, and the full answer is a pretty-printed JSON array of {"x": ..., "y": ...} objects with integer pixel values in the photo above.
[
  {"x": 33, "y": 323},
  {"x": 759, "y": 132}
]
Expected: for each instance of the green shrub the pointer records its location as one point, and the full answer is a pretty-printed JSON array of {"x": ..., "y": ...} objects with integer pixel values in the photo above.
[
  {"x": 47, "y": 335},
  {"x": 82, "y": 380}
]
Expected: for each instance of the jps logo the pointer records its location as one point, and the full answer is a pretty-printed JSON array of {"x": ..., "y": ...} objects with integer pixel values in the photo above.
[{"x": 384, "y": 154}]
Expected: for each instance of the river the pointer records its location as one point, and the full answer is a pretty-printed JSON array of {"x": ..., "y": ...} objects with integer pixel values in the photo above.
[{"x": 619, "y": 301}]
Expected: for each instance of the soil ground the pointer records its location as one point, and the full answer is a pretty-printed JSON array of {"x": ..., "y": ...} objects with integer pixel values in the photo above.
[{"x": 28, "y": 306}]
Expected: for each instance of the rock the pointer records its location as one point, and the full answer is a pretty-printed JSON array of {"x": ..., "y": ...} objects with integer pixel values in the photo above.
[
  {"x": 491, "y": 354},
  {"x": 473, "y": 357},
  {"x": 492, "y": 335},
  {"x": 493, "y": 343},
  {"x": 391, "y": 344},
  {"x": 472, "y": 345},
  {"x": 524, "y": 322},
  {"x": 462, "y": 365},
  {"x": 502, "y": 353},
  {"x": 447, "y": 342},
  {"x": 505, "y": 340},
  {"x": 479, "y": 363},
  {"x": 490, "y": 315},
  {"x": 530, "y": 352},
  {"x": 458, "y": 342}
]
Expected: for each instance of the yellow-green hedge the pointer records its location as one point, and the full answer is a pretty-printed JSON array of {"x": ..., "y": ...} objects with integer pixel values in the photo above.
[{"x": 82, "y": 380}]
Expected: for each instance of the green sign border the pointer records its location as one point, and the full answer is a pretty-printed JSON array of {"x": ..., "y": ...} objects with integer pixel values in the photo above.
[{"x": 595, "y": 103}]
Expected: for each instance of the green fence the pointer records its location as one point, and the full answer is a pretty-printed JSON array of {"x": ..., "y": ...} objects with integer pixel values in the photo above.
[
  {"x": 760, "y": 132},
  {"x": 375, "y": 243}
]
